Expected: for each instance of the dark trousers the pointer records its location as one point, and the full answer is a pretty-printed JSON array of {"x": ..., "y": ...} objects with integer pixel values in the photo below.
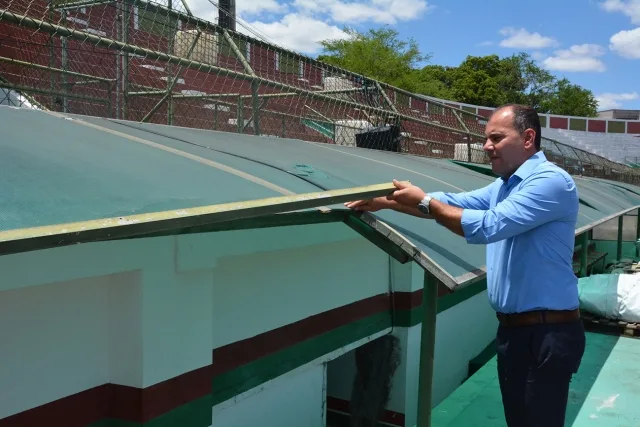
[{"x": 535, "y": 366}]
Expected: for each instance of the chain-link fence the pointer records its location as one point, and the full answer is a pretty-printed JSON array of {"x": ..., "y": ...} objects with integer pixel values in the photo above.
[{"x": 158, "y": 63}]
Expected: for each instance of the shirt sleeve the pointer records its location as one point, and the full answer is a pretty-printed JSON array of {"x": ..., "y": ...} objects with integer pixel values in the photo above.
[
  {"x": 545, "y": 197},
  {"x": 479, "y": 199}
]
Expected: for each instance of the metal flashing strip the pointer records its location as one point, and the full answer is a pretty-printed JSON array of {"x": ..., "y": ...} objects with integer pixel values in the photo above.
[
  {"x": 52, "y": 236},
  {"x": 603, "y": 220},
  {"x": 470, "y": 278}
]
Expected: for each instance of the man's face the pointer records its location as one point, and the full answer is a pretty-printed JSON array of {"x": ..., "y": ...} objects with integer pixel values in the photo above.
[{"x": 506, "y": 147}]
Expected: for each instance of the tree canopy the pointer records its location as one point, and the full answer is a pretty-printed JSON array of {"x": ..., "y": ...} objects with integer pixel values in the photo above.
[{"x": 480, "y": 80}]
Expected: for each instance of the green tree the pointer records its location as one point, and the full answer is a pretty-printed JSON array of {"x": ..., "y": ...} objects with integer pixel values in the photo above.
[
  {"x": 378, "y": 54},
  {"x": 481, "y": 80},
  {"x": 434, "y": 80},
  {"x": 573, "y": 100}
]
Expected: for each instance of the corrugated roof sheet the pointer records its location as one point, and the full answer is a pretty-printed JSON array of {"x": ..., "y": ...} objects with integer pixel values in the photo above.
[{"x": 55, "y": 170}]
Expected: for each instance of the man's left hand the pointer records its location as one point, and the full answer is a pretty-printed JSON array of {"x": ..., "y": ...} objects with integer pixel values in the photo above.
[{"x": 407, "y": 194}]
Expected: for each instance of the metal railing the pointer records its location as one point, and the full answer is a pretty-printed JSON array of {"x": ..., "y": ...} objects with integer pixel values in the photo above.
[{"x": 158, "y": 63}]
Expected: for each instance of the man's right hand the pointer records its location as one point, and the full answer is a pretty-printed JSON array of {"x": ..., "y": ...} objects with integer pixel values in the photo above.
[{"x": 370, "y": 205}]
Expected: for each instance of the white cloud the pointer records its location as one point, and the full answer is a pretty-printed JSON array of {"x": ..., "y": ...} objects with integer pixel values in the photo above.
[
  {"x": 578, "y": 58},
  {"x": 522, "y": 39},
  {"x": 538, "y": 56},
  {"x": 377, "y": 11},
  {"x": 302, "y": 24},
  {"x": 287, "y": 32},
  {"x": 626, "y": 43},
  {"x": 631, "y": 8},
  {"x": 608, "y": 101},
  {"x": 205, "y": 10}
]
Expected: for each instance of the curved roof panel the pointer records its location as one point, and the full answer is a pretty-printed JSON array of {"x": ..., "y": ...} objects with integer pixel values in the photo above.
[{"x": 57, "y": 170}]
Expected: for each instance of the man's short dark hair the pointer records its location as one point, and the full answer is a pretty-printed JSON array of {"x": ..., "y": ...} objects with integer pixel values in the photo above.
[{"x": 524, "y": 117}]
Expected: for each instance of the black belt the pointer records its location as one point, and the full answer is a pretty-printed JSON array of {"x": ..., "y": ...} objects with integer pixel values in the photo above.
[{"x": 538, "y": 316}]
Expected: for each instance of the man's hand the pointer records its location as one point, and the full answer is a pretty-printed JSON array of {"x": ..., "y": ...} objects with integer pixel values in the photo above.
[
  {"x": 406, "y": 194},
  {"x": 370, "y": 205},
  {"x": 404, "y": 199}
]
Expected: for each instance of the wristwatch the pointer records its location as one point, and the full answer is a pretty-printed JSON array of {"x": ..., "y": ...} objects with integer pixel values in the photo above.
[{"x": 423, "y": 206}]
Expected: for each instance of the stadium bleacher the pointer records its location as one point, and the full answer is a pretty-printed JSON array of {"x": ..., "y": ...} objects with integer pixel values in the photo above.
[{"x": 620, "y": 148}]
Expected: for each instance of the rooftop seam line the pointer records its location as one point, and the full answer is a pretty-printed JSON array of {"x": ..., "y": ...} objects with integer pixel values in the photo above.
[
  {"x": 601, "y": 192},
  {"x": 206, "y": 147},
  {"x": 202, "y": 160},
  {"x": 388, "y": 164}
]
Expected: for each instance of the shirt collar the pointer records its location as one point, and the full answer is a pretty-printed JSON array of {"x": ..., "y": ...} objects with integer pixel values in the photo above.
[{"x": 528, "y": 166}]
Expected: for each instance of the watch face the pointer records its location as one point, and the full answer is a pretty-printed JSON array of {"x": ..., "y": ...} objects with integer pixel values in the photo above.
[{"x": 423, "y": 206}]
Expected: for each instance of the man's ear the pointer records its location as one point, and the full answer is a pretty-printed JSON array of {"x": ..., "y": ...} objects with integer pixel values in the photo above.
[{"x": 529, "y": 139}]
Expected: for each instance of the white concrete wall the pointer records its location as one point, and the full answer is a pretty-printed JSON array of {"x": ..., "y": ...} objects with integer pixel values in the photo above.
[
  {"x": 53, "y": 342},
  {"x": 291, "y": 401},
  {"x": 289, "y": 285},
  {"x": 139, "y": 312}
]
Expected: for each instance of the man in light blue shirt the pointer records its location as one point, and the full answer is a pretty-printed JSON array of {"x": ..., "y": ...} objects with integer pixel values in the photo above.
[{"x": 527, "y": 218}]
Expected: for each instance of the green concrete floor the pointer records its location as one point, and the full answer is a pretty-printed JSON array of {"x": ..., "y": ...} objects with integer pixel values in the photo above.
[{"x": 604, "y": 393}]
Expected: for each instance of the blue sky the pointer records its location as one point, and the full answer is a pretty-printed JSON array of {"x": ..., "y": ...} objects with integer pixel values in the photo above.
[{"x": 594, "y": 43}]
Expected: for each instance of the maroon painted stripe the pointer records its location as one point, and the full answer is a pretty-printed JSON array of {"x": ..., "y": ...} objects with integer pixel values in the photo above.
[
  {"x": 633, "y": 127},
  {"x": 558, "y": 122},
  {"x": 597, "y": 126},
  {"x": 242, "y": 352},
  {"x": 76, "y": 410},
  {"x": 142, "y": 405},
  {"x": 484, "y": 112},
  {"x": 389, "y": 417},
  {"x": 118, "y": 402}
]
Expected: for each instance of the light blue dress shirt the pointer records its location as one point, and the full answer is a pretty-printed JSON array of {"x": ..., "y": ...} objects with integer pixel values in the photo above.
[{"x": 528, "y": 223}]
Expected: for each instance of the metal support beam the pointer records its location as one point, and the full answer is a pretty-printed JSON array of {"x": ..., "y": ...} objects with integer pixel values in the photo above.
[
  {"x": 255, "y": 106},
  {"x": 386, "y": 97},
  {"x": 104, "y": 42},
  {"x": 239, "y": 55},
  {"x": 171, "y": 80},
  {"x": 637, "y": 232},
  {"x": 619, "y": 243},
  {"x": 584, "y": 244},
  {"x": 240, "y": 115},
  {"x": 462, "y": 123},
  {"x": 427, "y": 349},
  {"x": 320, "y": 92},
  {"x": 124, "y": 89},
  {"x": 51, "y": 236},
  {"x": 54, "y": 93},
  {"x": 89, "y": 77},
  {"x": 64, "y": 60},
  {"x": 255, "y": 85},
  {"x": 171, "y": 85}
]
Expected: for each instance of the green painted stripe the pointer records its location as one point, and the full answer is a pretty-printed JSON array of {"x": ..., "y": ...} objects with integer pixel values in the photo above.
[
  {"x": 615, "y": 127},
  {"x": 408, "y": 318},
  {"x": 253, "y": 374},
  {"x": 543, "y": 121},
  {"x": 244, "y": 378},
  {"x": 577, "y": 124}
]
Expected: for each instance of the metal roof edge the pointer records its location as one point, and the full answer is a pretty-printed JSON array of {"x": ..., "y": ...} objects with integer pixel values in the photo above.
[
  {"x": 51, "y": 236},
  {"x": 470, "y": 278}
]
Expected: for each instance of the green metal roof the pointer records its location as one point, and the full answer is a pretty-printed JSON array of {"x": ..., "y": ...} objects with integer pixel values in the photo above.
[{"x": 56, "y": 170}]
